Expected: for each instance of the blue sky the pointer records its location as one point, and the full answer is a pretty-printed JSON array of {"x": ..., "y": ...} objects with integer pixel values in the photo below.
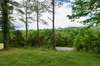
[
  {"x": 64, "y": 0},
  {"x": 61, "y": 21}
]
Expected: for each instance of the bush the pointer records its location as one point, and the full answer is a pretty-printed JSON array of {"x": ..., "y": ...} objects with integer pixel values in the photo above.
[
  {"x": 88, "y": 40},
  {"x": 66, "y": 37},
  {"x": 17, "y": 40},
  {"x": 83, "y": 39},
  {"x": 44, "y": 38}
]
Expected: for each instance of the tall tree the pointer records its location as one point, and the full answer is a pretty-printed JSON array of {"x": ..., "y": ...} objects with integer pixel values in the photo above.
[
  {"x": 5, "y": 22},
  {"x": 39, "y": 8},
  {"x": 6, "y": 7},
  {"x": 26, "y": 17},
  {"x": 25, "y": 11},
  {"x": 28, "y": 11},
  {"x": 26, "y": 14},
  {"x": 38, "y": 35},
  {"x": 53, "y": 25}
]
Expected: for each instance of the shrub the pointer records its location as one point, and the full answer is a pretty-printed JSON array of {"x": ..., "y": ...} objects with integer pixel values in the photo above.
[
  {"x": 88, "y": 40},
  {"x": 83, "y": 39},
  {"x": 17, "y": 40}
]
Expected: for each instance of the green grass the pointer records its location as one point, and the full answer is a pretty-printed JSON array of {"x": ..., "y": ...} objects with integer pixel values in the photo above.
[
  {"x": 43, "y": 57},
  {"x": 1, "y": 45}
]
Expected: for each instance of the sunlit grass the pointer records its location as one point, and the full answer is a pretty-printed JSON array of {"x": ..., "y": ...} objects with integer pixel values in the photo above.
[{"x": 45, "y": 57}]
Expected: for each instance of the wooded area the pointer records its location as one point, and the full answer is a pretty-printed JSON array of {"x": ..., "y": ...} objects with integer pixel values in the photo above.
[{"x": 84, "y": 39}]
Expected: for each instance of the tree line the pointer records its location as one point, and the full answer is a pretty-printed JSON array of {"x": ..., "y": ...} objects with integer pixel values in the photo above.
[
  {"x": 87, "y": 9},
  {"x": 26, "y": 8}
]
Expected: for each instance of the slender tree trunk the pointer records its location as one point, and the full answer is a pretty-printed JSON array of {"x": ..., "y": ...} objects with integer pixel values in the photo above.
[
  {"x": 53, "y": 25},
  {"x": 5, "y": 24},
  {"x": 38, "y": 39},
  {"x": 26, "y": 23}
]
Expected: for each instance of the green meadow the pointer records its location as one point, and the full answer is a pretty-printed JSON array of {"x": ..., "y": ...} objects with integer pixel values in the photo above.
[{"x": 46, "y": 57}]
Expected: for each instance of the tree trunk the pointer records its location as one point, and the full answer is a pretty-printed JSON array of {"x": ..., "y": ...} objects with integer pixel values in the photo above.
[
  {"x": 26, "y": 23},
  {"x": 38, "y": 39},
  {"x": 53, "y": 25},
  {"x": 5, "y": 24}
]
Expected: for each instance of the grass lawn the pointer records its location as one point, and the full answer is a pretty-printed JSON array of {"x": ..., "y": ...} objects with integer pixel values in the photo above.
[{"x": 43, "y": 57}]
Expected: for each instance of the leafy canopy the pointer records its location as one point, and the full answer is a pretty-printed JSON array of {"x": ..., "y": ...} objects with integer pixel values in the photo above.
[{"x": 89, "y": 9}]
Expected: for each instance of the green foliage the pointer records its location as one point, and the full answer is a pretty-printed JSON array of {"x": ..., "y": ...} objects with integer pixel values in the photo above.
[
  {"x": 17, "y": 39},
  {"x": 82, "y": 38},
  {"x": 86, "y": 8},
  {"x": 88, "y": 40},
  {"x": 44, "y": 38},
  {"x": 66, "y": 37}
]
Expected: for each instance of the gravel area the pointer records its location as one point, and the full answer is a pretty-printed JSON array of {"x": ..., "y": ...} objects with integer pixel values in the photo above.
[{"x": 65, "y": 48}]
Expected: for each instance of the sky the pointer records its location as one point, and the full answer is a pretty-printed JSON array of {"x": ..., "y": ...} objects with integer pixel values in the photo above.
[{"x": 61, "y": 21}]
